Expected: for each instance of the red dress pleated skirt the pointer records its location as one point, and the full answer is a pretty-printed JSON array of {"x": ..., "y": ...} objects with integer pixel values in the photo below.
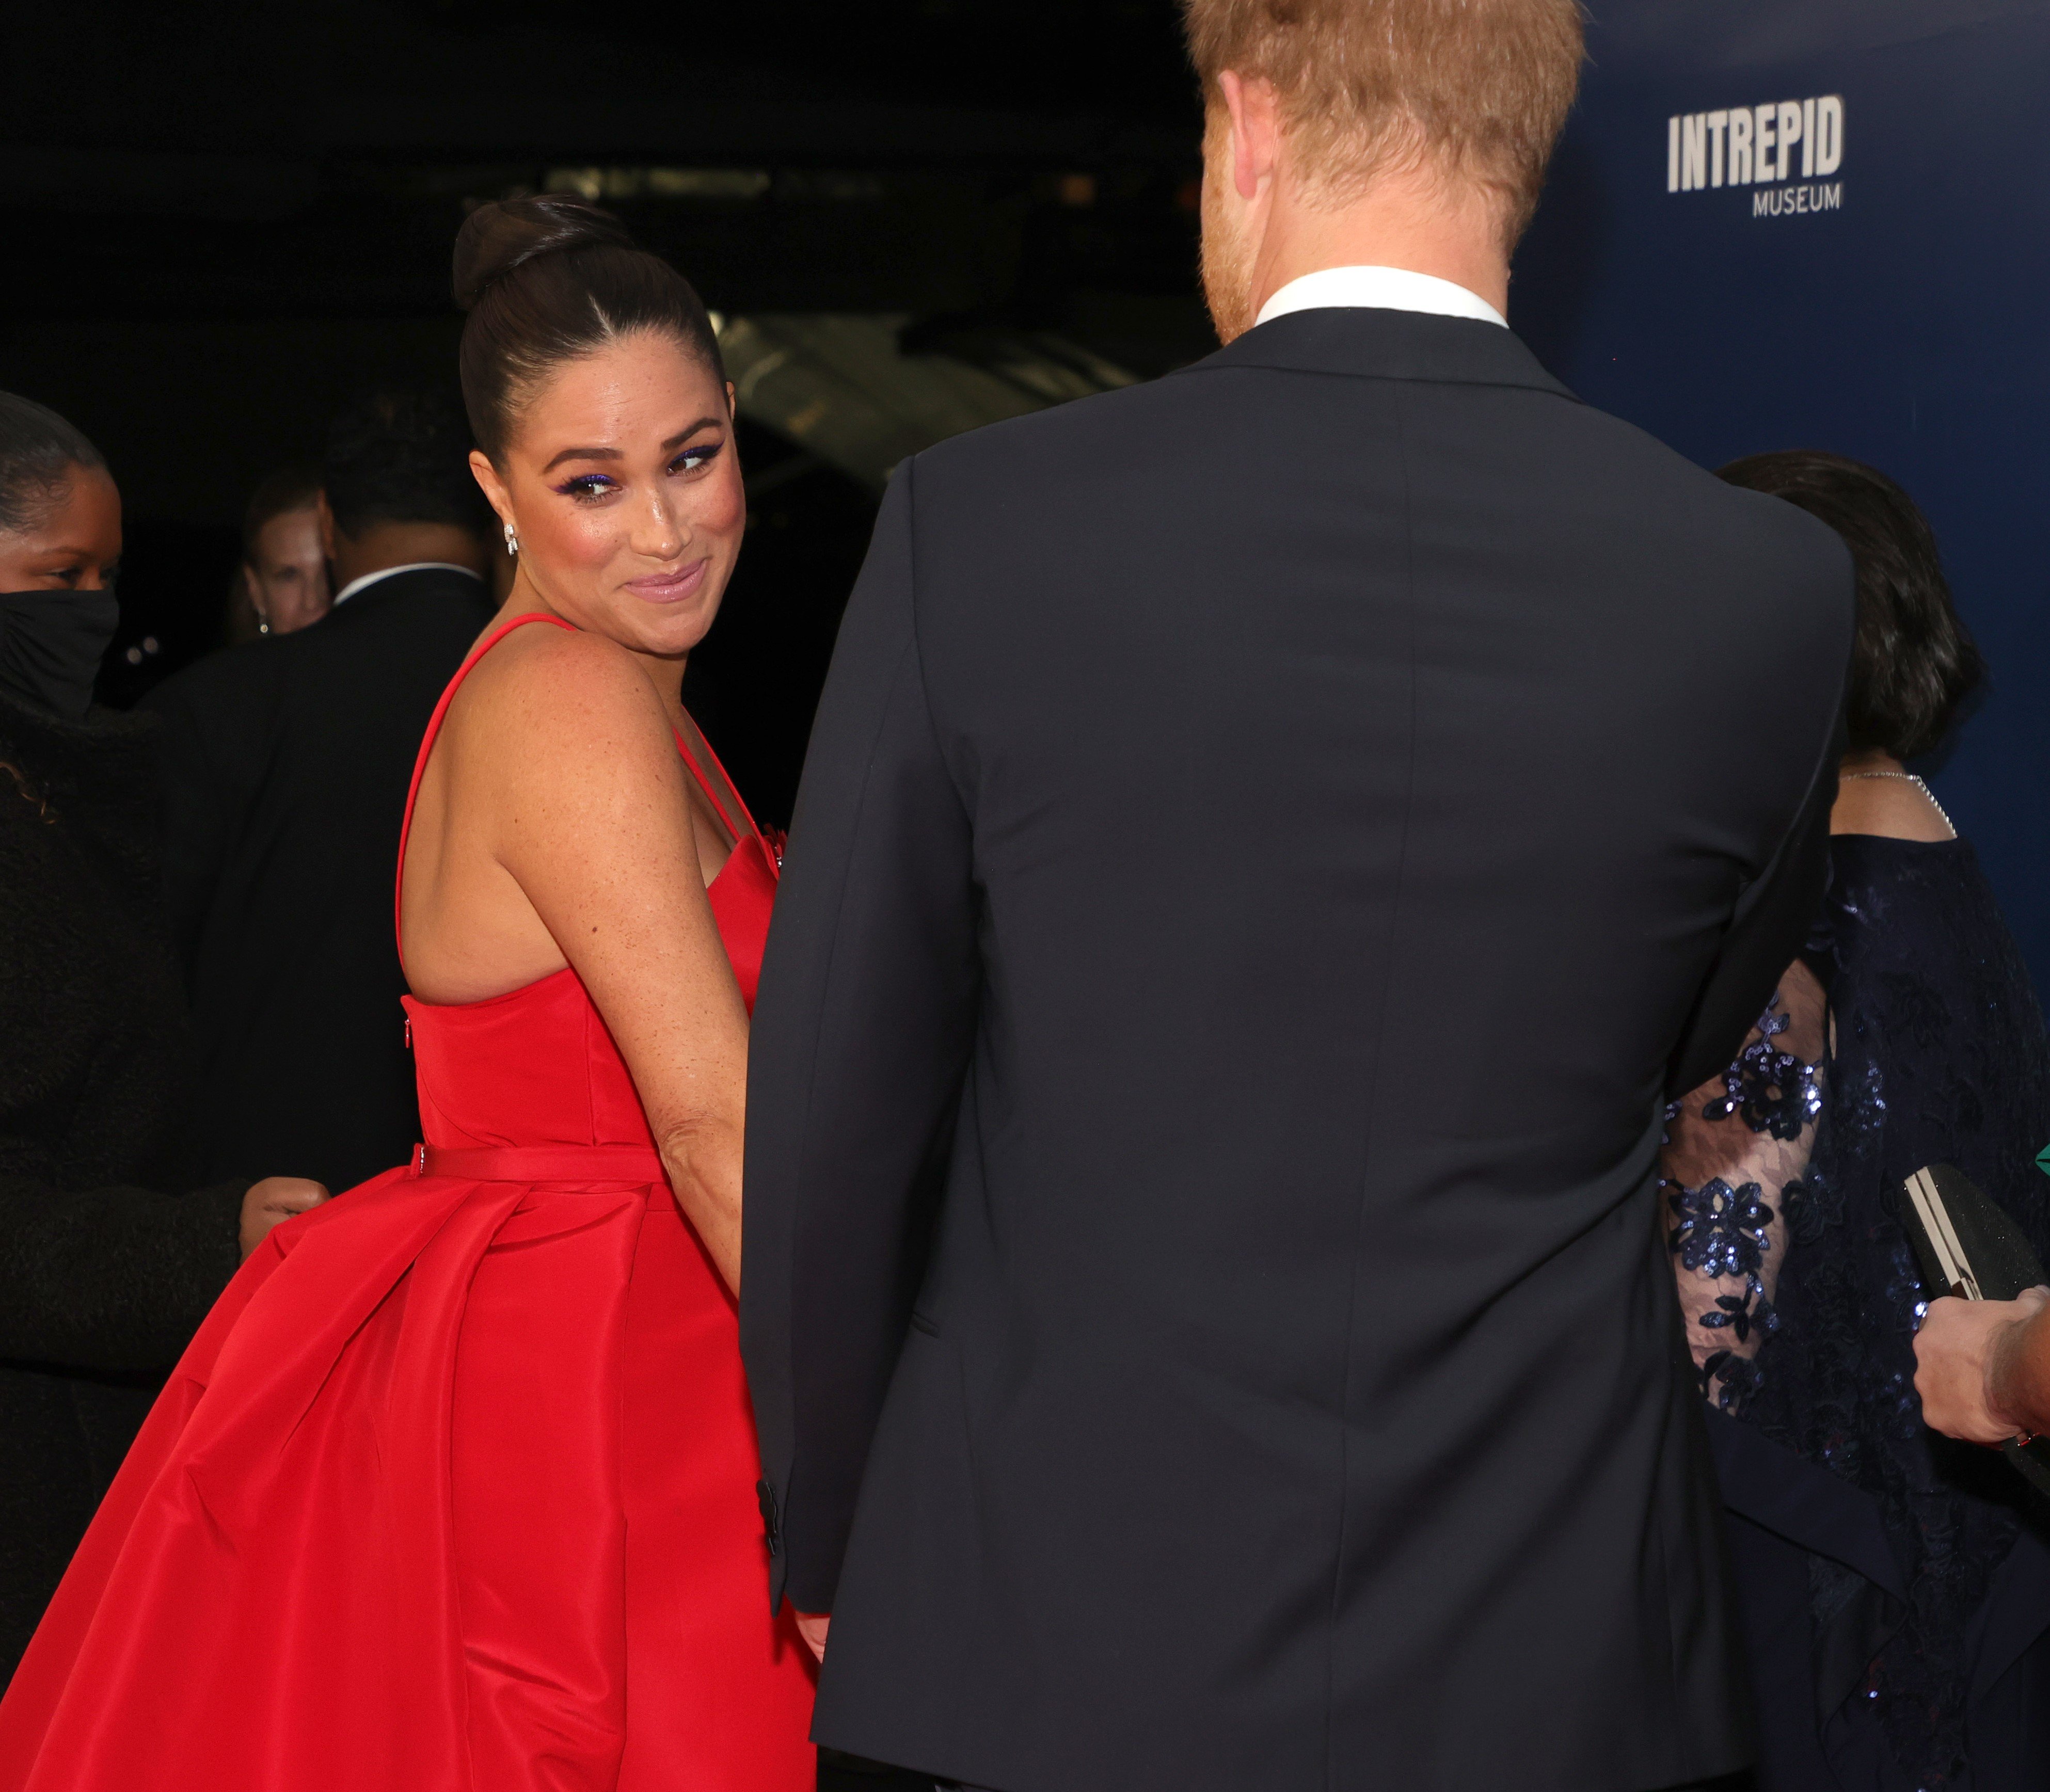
[{"x": 455, "y": 1487}]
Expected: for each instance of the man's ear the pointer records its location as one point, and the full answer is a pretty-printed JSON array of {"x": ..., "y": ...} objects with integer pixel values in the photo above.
[
  {"x": 326, "y": 527},
  {"x": 732, "y": 403},
  {"x": 1254, "y": 108}
]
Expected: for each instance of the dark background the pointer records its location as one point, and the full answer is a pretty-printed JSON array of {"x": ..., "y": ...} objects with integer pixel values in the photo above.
[
  {"x": 1907, "y": 329},
  {"x": 221, "y": 225}
]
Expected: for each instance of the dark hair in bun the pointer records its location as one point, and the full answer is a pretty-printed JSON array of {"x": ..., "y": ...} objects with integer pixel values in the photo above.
[{"x": 548, "y": 279}]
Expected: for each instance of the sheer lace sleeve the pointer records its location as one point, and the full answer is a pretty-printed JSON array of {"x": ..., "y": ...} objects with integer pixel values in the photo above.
[{"x": 1737, "y": 1149}]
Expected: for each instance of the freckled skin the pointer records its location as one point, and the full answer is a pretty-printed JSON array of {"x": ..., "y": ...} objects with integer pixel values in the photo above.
[
  {"x": 591, "y": 526},
  {"x": 555, "y": 824}
]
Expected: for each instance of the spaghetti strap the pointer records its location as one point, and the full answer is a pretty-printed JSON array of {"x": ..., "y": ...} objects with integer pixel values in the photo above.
[
  {"x": 427, "y": 746},
  {"x": 739, "y": 832}
]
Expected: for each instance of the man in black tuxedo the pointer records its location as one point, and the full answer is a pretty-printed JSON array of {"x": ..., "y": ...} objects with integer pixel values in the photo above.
[
  {"x": 285, "y": 765},
  {"x": 1270, "y": 839}
]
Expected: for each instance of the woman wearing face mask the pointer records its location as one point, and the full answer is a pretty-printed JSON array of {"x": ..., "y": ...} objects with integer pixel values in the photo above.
[
  {"x": 106, "y": 1264},
  {"x": 456, "y": 1487}
]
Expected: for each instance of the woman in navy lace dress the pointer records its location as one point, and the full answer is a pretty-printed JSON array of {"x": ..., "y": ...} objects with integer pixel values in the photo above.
[{"x": 1894, "y": 1585}]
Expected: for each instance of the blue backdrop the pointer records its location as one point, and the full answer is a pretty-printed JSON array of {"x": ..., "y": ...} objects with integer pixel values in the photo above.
[{"x": 1884, "y": 296}]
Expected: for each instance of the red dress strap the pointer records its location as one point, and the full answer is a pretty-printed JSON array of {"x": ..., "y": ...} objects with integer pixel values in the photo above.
[
  {"x": 739, "y": 832},
  {"x": 427, "y": 746}
]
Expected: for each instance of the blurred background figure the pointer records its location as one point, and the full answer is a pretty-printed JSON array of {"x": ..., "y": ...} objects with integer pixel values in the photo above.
[
  {"x": 281, "y": 584},
  {"x": 285, "y": 765},
  {"x": 109, "y": 1257},
  {"x": 1896, "y": 1586}
]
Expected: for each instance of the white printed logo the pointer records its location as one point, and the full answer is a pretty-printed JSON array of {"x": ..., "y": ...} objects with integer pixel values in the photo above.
[{"x": 1755, "y": 146}]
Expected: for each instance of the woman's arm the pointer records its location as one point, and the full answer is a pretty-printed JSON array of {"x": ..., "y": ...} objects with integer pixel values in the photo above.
[
  {"x": 1736, "y": 1150},
  {"x": 1982, "y": 1367},
  {"x": 591, "y": 819}
]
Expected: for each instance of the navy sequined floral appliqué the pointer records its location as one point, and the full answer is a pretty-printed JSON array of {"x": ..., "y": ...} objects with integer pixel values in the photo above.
[
  {"x": 1934, "y": 1051},
  {"x": 1722, "y": 1231},
  {"x": 1772, "y": 1090}
]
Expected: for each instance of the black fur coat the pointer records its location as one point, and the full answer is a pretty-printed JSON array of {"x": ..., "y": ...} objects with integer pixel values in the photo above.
[{"x": 104, "y": 1272}]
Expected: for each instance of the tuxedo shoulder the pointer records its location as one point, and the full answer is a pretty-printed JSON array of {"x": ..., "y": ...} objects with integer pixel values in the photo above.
[
  {"x": 403, "y": 598},
  {"x": 227, "y": 676},
  {"x": 1693, "y": 496},
  {"x": 1765, "y": 550},
  {"x": 1097, "y": 432},
  {"x": 426, "y": 611}
]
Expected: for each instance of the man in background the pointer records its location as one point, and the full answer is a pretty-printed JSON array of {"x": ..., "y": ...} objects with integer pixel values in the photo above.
[{"x": 285, "y": 765}]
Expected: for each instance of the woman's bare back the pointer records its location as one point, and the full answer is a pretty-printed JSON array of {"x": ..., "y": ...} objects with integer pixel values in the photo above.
[
  {"x": 555, "y": 826},
  {"x": 470, "y": 930}
]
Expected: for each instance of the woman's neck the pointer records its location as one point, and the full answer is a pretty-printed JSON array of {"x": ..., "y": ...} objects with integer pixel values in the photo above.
[{"x": 1876, "y": 794}]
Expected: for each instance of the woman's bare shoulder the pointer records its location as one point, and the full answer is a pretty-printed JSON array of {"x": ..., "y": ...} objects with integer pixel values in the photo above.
[{"x": 562, "y": 691}]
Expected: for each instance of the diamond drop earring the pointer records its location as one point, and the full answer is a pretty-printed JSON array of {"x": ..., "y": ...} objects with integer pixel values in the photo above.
[{"x": 511, "y": 539}]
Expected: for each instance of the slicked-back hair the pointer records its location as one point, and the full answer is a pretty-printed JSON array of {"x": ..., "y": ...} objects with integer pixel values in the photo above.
[
  {"x": 1913, "y": 662},
  {"x": 1476, "y": 89},
  {"x": 38, "y": 453},
  {"x": 551, "y": 279},
  {"x": 401, "y": 457}
]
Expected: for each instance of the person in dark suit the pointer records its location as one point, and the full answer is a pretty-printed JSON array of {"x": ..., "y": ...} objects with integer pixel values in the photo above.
[
  {"x": 111, "y": 1249},
  {"x": 1272, "y": 841},
  {"x": 286, "y": 763}
]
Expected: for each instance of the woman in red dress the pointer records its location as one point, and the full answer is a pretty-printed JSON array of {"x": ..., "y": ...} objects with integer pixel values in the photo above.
[{"x": 455, "y": 1488}]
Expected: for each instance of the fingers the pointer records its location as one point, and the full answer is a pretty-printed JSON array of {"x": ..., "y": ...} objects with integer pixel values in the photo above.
[
  {"x": 811, "y": 1627},
  {"x": 288, "y": 1194},
  {"x": 272, "y": 1201},
  {"x": 1953, "y": 1353}
]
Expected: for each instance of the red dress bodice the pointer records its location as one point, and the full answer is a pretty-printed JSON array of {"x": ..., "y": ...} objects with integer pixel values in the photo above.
[
  {"x": 454, "y": 1491},
  {"x": 537, "y": 1066}
]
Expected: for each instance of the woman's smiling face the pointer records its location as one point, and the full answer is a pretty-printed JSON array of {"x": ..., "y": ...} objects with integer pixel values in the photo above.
[{"x": 621, "y": 480}]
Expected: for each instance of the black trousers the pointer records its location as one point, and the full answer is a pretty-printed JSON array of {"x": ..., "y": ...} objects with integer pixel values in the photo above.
[
  {"x": 844, "y": 1773},
  {"x": 849, "y": 1773}
]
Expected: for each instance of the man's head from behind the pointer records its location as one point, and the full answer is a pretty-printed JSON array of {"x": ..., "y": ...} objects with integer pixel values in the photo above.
[
  {"x": 1323, "y": 114},
  {"x": 396, "y": 487}
]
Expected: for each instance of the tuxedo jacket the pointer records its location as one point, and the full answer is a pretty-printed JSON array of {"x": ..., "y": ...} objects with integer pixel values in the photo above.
[
  {"x": 1270, "y": 840},
  {"x": 285, "y": 765}
]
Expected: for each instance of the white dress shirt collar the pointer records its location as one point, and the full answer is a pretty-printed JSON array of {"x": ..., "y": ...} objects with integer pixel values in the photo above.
[
  {"x": 370, "y": 579},
  {"x": 1385, "y": 289}
]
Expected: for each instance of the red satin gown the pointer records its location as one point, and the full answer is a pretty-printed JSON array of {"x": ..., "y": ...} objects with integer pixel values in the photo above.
[{"x": 455, "y": 1487}]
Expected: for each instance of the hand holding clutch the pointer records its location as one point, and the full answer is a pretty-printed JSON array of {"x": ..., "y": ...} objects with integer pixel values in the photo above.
[{"x": 1969, "y": 1355}]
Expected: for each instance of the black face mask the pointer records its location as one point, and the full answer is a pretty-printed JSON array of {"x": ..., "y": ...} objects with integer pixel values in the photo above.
[{"x": 51, "y": 645}]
